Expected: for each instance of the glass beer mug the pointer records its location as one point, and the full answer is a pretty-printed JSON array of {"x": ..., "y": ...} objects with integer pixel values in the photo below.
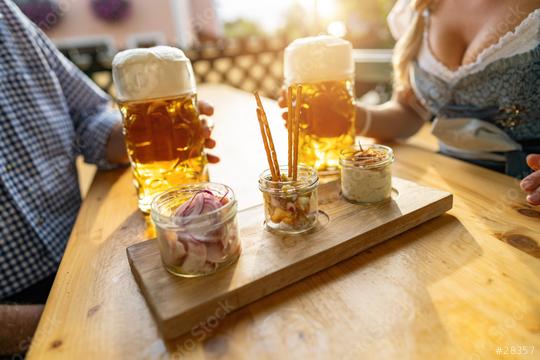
[
  {"x": 324, "y": 66},
  {"x": 157, "y": 96}
]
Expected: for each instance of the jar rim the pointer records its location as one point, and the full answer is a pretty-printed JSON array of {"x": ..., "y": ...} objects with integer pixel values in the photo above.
[
  {"x": 159, "y": 217},
  {"x": 346, "y": 156},
  {"x": 266, "y": 184}
]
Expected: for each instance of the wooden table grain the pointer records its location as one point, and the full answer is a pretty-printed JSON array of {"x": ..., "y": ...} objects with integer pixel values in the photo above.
[{"x": 457, "y": 287}]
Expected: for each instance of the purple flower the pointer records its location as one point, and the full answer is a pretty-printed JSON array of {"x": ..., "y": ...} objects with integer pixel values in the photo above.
[
  {"x": 111, "y": 10},
  {"x": 44, "y": 13}
]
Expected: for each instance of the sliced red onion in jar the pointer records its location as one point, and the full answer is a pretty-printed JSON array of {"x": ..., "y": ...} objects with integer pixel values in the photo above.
[
  {"x": 175, "y": 252},
  {"x": 196, "y": 257},
  {"x": 206, "y": 245}
]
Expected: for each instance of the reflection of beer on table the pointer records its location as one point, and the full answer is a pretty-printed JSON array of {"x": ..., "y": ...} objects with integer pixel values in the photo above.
[
  {"x": 164, "y": 135},
  {"x": 325, "y": 68}
]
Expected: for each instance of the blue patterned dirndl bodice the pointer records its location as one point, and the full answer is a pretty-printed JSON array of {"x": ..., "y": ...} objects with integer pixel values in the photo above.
[{"x": 505, "y": 95}]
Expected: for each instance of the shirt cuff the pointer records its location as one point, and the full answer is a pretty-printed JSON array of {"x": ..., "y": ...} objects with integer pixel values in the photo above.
[{"x": 95, "y": 138}]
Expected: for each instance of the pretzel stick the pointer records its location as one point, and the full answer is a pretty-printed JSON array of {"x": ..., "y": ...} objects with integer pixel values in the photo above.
[
  {"x": 269, "y": 135},
  {"x": 272, "y": 148},
  {"x": 298, "y": 106},
  {"x": 266, "y": 148},
  {"x": 290, "y": 122}
]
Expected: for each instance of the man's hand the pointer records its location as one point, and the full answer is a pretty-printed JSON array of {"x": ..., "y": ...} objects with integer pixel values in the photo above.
[
  {"x": 116, "y": 147},
  {"x": 531, "y": 184},
  {"x": 19, "y": 322}
]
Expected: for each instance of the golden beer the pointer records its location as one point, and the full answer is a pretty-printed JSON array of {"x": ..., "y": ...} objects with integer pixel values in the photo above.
[
  {"x": 327, "y": 123},
  {"x": 165, "y": 140},
  {"x": 164, "y": 135},
  {"x": 324, "y": 66}
]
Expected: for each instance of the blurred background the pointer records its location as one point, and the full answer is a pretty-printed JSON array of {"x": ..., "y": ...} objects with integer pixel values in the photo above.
[{"x": 236, "y": 42}]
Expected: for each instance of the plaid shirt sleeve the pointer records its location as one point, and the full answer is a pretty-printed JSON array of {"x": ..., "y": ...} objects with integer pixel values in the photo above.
[
  {"x": 89, "y": 107},
  {"x": 50, "y": 112}
]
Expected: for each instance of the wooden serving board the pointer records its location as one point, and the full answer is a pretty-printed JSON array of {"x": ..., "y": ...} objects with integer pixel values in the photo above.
[{"x": 270, "y": 262}]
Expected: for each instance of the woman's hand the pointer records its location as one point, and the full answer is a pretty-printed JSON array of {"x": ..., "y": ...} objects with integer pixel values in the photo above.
[
  {"x": 531, "y": 184},
  {"x": 328, "y": 122},
  {"x": 282, "y": 102},
  {"x": 208, "y": 110}
]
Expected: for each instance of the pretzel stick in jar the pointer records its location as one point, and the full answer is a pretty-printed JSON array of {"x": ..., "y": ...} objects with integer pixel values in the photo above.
[
  {"x": 269, "y": 137},
  {"x": 298, "y": 106},
  {"x": 266, "y": 147},
  {"x": 290, "y": 127}
]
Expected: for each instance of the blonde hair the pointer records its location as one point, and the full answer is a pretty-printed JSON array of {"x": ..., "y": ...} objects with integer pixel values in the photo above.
[{"x": 409, "y": 44}]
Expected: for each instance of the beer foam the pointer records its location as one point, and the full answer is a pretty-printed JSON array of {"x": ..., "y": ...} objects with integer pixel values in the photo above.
[
  {"x": 318, "y": 58},
  {"x": 161, "y": 71}
]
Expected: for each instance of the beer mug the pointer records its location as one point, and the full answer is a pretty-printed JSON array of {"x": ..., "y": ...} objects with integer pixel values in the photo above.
[
  {"x": 324, "y": 66},
  {"x": 157, "y": 96}
]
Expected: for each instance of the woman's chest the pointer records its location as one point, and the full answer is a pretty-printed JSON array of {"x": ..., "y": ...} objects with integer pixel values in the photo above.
[{"x": 459, "y": 31}]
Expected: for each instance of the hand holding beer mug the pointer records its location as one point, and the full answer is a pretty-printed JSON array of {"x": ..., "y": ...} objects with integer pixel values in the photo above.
[
  {"x": 323, "y": 65},
  {"x": 164, "y": 135}
]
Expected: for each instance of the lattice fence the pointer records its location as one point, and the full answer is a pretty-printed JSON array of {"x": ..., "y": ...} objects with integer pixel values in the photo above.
[{"x": 247, "y": 64}]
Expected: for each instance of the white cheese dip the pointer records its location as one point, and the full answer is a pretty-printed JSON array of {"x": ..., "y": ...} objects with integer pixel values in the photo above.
[{"x": 366, "y": 173}]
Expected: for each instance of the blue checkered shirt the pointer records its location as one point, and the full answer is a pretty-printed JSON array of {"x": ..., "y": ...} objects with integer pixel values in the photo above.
[{"x": 50, "y": 113}]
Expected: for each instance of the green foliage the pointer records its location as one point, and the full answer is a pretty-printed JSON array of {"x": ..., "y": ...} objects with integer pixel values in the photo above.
[
  {"x": 242, "y": 28},
  {"x": 372, "y": 15}
]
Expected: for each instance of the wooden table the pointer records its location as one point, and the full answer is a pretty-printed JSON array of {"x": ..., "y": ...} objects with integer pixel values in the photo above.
[{"x": 456, "y": 287}]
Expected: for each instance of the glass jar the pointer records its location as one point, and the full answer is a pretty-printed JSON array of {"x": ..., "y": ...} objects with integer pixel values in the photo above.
[
  {"x": 290, "y": 207},
  {"x": 366, "y": 173},
  {"x": 196, "y": 228}
]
